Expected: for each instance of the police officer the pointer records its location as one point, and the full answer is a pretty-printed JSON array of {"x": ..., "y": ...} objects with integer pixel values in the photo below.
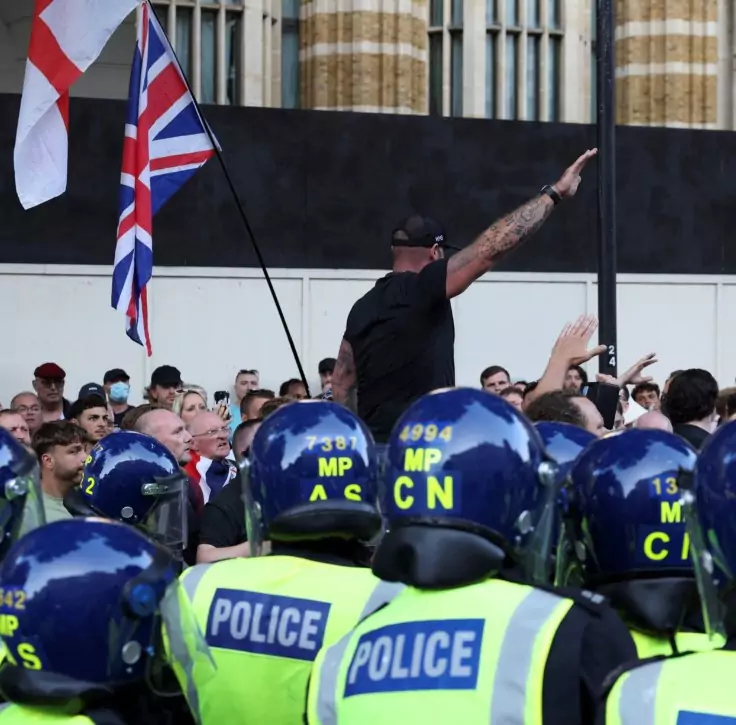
[
  {"x": 629, "y": 537},
  {"x": 20, "y": 491},
  {"x": 310, "y": 488},
  {"x": 20, "y": 495},
  {"x": 79, "y": 614},
  {"x": 470, "y": 497},
  {"x": 132, "y": 478},
  {"x": 695, "y": 688}
]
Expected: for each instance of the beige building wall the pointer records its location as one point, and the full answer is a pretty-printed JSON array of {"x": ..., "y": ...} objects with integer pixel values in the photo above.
[
  {"x": 363, "y": 55},
  {"x": 667, "y": 55},
  {"x": 675, "y": 59}
]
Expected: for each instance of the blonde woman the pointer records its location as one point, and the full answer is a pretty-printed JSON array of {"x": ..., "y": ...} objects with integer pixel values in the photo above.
[{"x": 189, "y": 402}]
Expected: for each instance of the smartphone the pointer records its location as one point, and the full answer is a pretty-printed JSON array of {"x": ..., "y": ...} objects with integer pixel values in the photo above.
[{"x": 222, "y": 397}]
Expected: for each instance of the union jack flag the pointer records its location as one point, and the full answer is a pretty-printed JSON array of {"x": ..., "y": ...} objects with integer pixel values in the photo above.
[{"x": 166, "y": 141}]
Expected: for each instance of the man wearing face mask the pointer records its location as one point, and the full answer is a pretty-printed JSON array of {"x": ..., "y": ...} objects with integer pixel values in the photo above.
[{"x": 117, "y": 385}]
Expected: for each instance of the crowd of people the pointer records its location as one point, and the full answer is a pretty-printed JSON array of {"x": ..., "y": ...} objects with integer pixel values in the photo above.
[
  {"x": 209, "y": 438},
  {"x": 546, "y": 552},
  {"x": 312, "y": 572}
]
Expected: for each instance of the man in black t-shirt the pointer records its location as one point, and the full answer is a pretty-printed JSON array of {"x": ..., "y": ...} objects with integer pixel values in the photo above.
[
  {"x": 399, "y": 338},
  {"x": 401, "y": 332}
]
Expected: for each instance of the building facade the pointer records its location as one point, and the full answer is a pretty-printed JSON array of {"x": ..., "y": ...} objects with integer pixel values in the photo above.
[{"x": 507, "y": 59}]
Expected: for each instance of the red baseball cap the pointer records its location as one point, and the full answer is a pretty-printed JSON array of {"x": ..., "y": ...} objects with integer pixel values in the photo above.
[{"x": 49, "y": 371}]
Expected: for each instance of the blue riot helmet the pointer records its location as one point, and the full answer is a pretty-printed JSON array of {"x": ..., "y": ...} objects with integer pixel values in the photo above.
[
  {"x": 712, "y": 523},
  {"x": 629, "y": 531},
  {"x": 468, "y": 490},
  {"x": 20, "y": 491},
  {"x": 131, "y": 477},
  {"x": 80, "y": 608},
  {"x": 564, "y": 443},
  {"x": 312, "y": 473},
  {"x": 626, "y": 488}
]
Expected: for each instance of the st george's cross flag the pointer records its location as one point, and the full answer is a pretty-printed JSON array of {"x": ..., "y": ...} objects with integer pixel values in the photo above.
[{"x": 67, "y": 36}]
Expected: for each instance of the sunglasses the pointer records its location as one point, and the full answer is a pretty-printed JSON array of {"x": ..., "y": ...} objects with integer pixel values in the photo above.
[
  {"x": 51, "y": 382},
  {"x": 248, "y": 372}
]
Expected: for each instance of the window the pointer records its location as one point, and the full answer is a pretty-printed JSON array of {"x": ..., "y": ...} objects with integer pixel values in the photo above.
[
  {"x": 523, "y": 59},
  {"x": 290, "y": 53},
  {"x": 446, "y": 39},
  {"x": 207, "y": 36}
]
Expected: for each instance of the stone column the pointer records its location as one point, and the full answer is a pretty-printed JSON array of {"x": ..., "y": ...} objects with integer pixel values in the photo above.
[
  {"x": 667, "y": 63},
  {"x": 364, "y": 55}
]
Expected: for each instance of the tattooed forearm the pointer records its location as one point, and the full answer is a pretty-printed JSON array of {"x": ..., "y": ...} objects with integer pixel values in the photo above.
[
  {"x": 504, "y": 235},
  {"x": 344, "y": 377}
]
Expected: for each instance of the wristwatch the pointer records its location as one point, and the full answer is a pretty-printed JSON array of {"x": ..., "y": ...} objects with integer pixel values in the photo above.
[{"x": 552, "y": 193}]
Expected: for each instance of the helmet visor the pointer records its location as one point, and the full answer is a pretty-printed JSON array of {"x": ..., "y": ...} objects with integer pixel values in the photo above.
[
  {"x": 703, "y": 564},
  {"x": 253, "y": 523},
  {"x": 537, "y": 556},
  {"x": 21, "y": 505},
  {"x": 166, "y": 521}
]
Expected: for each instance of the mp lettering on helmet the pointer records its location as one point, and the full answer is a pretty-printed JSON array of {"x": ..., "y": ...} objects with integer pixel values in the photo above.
[
  {"x": 267, "y": 624},
  {"x": 418, "y": 486},
  {"x": 669, "y": 542},
  {"x": 430, "y": 655}
]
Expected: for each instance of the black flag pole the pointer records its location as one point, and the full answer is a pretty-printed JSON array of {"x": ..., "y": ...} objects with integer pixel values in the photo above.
[
  {"x": 606, "y": 133},
  {"x": 243, "y": 218}
]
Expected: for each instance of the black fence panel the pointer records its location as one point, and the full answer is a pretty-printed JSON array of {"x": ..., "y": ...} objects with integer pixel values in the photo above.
[{"x": 326, "y": 189}]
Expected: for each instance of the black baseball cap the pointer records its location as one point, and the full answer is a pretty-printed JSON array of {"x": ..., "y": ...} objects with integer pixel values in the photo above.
[
  {"x": 327, "y": 365},
  {"x": 419, "y": 231},
  {"x": 166, "y": 376},
  {"x": 91, "y": 389},
  {"x": 116, "y": 375}
]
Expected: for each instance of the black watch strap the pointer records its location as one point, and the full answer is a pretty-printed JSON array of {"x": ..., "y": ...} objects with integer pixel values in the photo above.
[{"x": 551, "y": 192}]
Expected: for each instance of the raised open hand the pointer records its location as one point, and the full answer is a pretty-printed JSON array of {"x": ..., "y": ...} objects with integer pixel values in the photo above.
[
  {"x": 574, "y": 338},
  {"x": 633, "y": 376},
  {"x": 568, "y": 183}
]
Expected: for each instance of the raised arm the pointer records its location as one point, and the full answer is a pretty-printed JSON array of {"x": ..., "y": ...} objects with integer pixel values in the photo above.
[
  {"x": 570, "y": 348},
  {"x": 344, "y": 378},
  {"x": 501, "y": 237}
]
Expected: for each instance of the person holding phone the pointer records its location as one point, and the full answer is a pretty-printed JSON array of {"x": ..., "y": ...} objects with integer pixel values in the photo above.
[
  {"x": 245, "y": 381},
  {"x": 222, "y": 405}
]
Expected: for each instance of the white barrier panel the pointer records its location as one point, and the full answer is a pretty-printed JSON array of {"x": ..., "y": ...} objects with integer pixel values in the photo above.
[{"x": 212, "y": 322}]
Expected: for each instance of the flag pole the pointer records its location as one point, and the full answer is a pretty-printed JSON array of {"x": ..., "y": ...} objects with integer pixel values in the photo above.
[{"x": 243, "y": 218}]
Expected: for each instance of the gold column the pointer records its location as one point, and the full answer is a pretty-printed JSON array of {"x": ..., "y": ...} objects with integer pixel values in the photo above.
[
  {"x": 364, "y": 55},
  {"x": 667, "y": 62}
]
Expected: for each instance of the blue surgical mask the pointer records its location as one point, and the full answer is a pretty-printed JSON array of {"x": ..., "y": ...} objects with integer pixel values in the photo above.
[{"x": 119, "y": 392}]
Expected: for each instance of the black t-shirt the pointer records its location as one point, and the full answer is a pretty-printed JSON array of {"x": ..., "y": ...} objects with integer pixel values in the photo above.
[
  {"x": 118, "y": 417},
  {"x": 223, "y": 519},
  {"x": 693, "y": 434},
  {"x": 403, "y": 336}
]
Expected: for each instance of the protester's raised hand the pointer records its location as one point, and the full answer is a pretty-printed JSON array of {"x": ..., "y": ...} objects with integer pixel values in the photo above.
[
  {"x": 568, "y": 184},
  {"x": 633, "y": 376},
  {"x": 574, "y": 338}
]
